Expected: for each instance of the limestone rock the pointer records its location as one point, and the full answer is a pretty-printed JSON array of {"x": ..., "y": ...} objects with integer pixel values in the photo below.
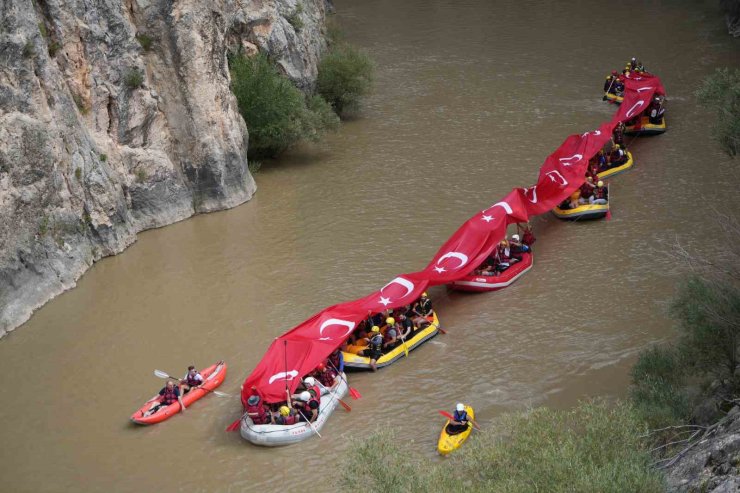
[{"x": 116, "y": 116}]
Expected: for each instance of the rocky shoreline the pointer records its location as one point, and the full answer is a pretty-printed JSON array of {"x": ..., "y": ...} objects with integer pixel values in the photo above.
[{"x": 116, "y": 117}]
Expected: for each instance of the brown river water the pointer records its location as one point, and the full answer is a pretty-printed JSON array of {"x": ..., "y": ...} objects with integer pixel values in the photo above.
[{"x": 470, "y": 97}]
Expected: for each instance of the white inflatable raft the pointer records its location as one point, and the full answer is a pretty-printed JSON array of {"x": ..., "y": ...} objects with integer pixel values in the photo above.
[{"x": 276, "y": 435}]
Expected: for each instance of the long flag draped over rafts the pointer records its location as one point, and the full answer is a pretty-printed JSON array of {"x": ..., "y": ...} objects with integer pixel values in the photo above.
[{"x": 301, "y": 349}]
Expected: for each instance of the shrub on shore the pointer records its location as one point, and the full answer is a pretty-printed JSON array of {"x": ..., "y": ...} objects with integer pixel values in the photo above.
[
  {"x": 721, "y": 92},
  {"x": 345, "y": 75},
  {"x": 593, "y": 447},
  {"x": 277, "y": 114}
]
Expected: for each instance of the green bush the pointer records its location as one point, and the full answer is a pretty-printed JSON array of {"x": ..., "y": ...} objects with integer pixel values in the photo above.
[
  {"x": 294, "y": 18},
  {"x": 103, "y": 157},
  {"x": 53, "y": 48},
  {"x": 592, "y": 448},
  {"x": 133, "y": 79},
  {"x": 345, "y": 75},
  {"x": 721, "y": 92},
  {"x": 145, "y": 41},
  {"x": 276, "y": 112}
]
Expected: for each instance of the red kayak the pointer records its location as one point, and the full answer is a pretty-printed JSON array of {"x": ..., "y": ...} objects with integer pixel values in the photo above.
[
  {"x": 492, "y": 283},
  {"x": 213, "y": 376}
]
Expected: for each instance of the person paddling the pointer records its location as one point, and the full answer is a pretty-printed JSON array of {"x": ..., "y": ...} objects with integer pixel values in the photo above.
[
  {"x": 169, "y": 394},
  {"x": 191, "y": 380},
  {"x": 307, "y": 406},
  {"x": 460, "y": 421},
  {"x": 375, "y": 347}
]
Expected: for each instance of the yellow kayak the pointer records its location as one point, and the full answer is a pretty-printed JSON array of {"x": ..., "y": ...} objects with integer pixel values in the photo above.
[
  {"x": 447, "y": 443},
  {"x": 618, "y": 169}
]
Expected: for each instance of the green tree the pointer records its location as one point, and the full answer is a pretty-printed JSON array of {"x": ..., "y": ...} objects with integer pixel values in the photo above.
[
  {"x": 721, "y": 92},
  {"x": 276, "y": 112},
  {"x": 345, "y": 75}
]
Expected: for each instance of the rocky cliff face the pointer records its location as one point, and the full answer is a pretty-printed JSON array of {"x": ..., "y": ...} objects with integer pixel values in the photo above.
[
  {"x": 116, "y": 116},
  {"x": 713, "y": 464}
]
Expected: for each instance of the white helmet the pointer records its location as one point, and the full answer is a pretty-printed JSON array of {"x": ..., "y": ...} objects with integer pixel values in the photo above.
[
  {"x": 460, "y": 407},
  {"x": 310, "y": 381},
  {"x": 514, "y": 237},
  {"x": 305, "y": 396}
]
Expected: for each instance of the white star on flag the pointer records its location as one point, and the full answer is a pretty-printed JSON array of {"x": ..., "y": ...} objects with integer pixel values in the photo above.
[
  {"x": 440, "y": 269},
  {"x": 487, "y": 219},
  {"x": 385, "y": 301}
]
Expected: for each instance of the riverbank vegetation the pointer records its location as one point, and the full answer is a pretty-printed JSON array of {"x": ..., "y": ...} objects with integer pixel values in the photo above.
[
  {"x": 594, "y": 447},
  {"x": 278, "y": 114},
  {"x": 721, "y": 93}
]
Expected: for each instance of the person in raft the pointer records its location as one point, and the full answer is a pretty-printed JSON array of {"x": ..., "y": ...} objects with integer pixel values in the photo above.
[
  {"x": 375, "y": 347},
  {"x": 256, "y": 410},
  {"x": 517, "y": 248},
  {"x": 422, "y": 309},
  {"x": 307, "y": 407},
  {"x": 191, "y": 380},
  {"x": 169, "y": 394},
  {"x": 336, "y": 361},
  {"x": 390, "y": 336},
  {"x": 601, "y": 194},
  {"x": 286, "y": 416},
  {"x": 325, "y": 375},
  {"x": 459, "y": 421}
]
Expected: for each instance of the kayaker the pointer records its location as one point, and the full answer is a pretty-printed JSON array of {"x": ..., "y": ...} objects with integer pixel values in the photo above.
[
  {"x": 256, "y": 410},
  {"x": 422, "y": 310},
  {"x": 191, "y": 380},
  {"x": 600, "y": 195},
  {"x": 459, "y": 421},
  {"x": 307, "y": 407},
  {"x": 285, "y": 416},
  {"x": 169, "y": 394},
  {"x": 390, "y": 337},
  {"x": 375, "y": 347}
]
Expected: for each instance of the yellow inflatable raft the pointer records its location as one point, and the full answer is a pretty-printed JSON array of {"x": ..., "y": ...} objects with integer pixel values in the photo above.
[
  {"x": 356, "y": 361},
  {"x": 618, "y": 169},
  {"x": 447, "y": 443},
  {"x": 613, "y": 98},
  {"x": 587, "y": 211},
  {"x": 644, "y": 127}
]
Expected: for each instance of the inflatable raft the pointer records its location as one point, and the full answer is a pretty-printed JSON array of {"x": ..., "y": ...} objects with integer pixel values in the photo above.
[
  {"x": 619, "y": 168},
  {"x": 492, "y": 283},
  {"x": 355, "y": 361},
  {"x": 447, "y": 443},
  {"x": 213, "y": 376},
  {"x": 587, "y": 211},
  {"x": 613, "y": 98},
  {"x": 644, "y": 127},
  {"x": 272, "y": 435}
]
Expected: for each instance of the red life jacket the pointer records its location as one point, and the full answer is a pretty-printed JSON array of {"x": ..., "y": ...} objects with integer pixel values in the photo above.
[
  {"x": 586, "y": 190},
  {"x": 192, "y": 381},
  {"x": 600, "y": 193},
  {"x": 169, "y": 396},
  {"x": 315, "y": 391},
  {"x": 528, "y": 238},
  {"x": 261, "y": 417},
  {"x": 327, "y": 378},
  {"x": 334, "y": 359}
]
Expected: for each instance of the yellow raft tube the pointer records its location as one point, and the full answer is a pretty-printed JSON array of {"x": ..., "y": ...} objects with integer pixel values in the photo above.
[
  {"x": 447, "y": 443},
  {"x": 613, "y": 98},
  {"x": 618, "y": 169},
  {"x": 586, "y": 211},
  {"x": 644, "y": 127},
  {"x": 355, "y": 361}
]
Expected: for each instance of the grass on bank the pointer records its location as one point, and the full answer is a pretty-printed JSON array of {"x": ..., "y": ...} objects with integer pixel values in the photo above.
[
  {"x": 721, "y": 93},
  {"x": 594, "y": 447}
]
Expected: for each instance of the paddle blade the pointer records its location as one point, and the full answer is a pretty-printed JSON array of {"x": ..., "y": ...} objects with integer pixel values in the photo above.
[
  {"x": 609, "y": 215},
  {"x": 220, "y": 394},
  {"x": 345, "y": 405},
  {"x": 446, "y": 414},
  {"x": 234, "y": 426},
  {"x": 161, "y": 374},
  {"x": 354, "y": 393}
]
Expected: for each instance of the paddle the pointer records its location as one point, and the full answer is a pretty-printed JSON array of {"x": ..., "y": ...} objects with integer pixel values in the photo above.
[
  {"x": 162, "y": 374},
  {"x": 352, "y": 391},
  {"x": 344, "y": 404},
  {"x": 405, "y": 347},
  {"x": 235, "y": 425},
  {"x": 451, "y": 418},
  {"x": 313, "y": 426},
  {"x": 610, "y": 86}
]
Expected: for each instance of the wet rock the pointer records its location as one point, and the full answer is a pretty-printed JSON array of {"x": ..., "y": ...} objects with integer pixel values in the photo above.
[{"x": 117, "y": 117}]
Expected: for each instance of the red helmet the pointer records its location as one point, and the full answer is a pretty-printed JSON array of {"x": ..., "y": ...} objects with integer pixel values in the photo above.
[
  {"x": 321, "y": 367},
  {"x": 614, "y": 72}
]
